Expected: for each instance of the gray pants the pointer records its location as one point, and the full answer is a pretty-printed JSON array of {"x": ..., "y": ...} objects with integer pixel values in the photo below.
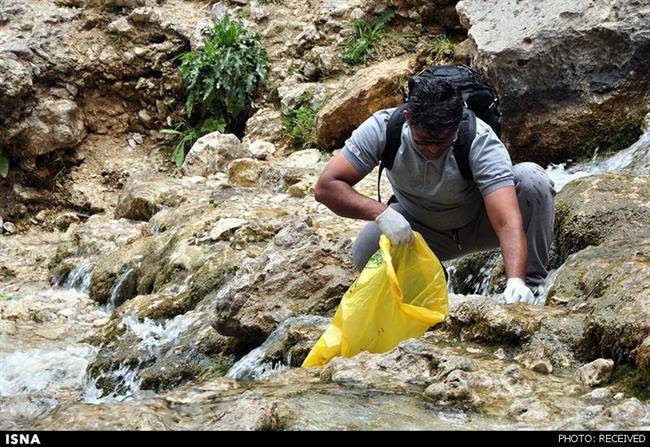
[{"x": 535, "y": 196}]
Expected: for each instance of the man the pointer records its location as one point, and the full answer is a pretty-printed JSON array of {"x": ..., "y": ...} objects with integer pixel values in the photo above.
[{"x": 504, "y": 206}]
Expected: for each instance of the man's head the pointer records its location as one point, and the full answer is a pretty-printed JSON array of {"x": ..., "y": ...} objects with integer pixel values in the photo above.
[{"x": 434, "y": 111}]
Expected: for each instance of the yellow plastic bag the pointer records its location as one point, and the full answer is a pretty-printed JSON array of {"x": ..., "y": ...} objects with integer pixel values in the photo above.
[{"x": 400, "y": 293}]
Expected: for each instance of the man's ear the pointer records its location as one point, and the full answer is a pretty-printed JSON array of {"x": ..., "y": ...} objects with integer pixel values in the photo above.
[{"x": 406, "y": 116}]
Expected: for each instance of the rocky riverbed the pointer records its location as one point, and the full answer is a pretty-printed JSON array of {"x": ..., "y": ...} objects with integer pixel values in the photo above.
[{"x": 138, "y": 295}]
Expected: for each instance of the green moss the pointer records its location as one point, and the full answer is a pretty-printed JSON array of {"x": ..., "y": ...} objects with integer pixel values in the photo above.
[
  {"x": 606, "y": 131},
  {"x": 632, "y": 380}
]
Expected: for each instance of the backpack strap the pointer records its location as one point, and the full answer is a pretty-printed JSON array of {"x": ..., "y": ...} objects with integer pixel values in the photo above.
[
  {"x": 463, "y": 145},
  {"x": 393, "y": 142}
]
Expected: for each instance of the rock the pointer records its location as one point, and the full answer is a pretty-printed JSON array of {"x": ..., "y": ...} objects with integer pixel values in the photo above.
[
  {"x": 595, "y": 373},
  {"x": 245, "y": 172},
  {"x": 371, "y": 89},
  {"x": 265, "y": 124},
  {"x": 602, "y": 95},
  {"x": 219, "y": 11},
  {"x": 606, "y": 285},
  {"x": 455, "y": 389},
  {"x": 200, "y": 33},
  {"x": 54, "y": 124},
  {"x": 27, "y": 194},
  {"x": 8, "y": 227},
  {"x": 529, "y": 410},
  {"x": 225, "y": 228},
  {"x": 120, "y": 25},
  {"x": 297, "y": 273},
  {"x": 64, "y": 220},
  {"x": 406, "y": 364},
  {"x": 212, "y": 153},
  {"x": 481, "y": 319},
  {"x": 595, "y": 209},
  {"x": 294, "y": 95},
  {"x": 141, "y": 199},
  {"x": 53, "y": 333},
  {"x": 642, "y": 356},
  {"x": 305, "y": 159},
  {"x": 540, "y": 365},
  {"x": 628, "y": 413},
  {"x": 261, "y": 150},
  {"x": 301, "y": 189}
]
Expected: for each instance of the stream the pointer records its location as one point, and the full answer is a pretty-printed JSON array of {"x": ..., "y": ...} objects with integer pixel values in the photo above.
[{"x": 44, "y": 357}]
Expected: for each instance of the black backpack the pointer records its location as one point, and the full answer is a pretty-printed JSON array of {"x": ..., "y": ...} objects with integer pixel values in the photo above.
[{"x": 480, "y": 100}]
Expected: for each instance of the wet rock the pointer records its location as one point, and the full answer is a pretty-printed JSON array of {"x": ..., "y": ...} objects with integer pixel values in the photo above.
[
  {"x": 482, "y": 319},
  {"x": 596, "y": 373},
  {"x": 298, "y": 272},
  {"x": 601, "y": 98},
  {"x": 371, "y": 89},
  {"x": 54, "y": 124},
  {"x": 407, "y": 363},
  {"x": 529, "y": 410},
  {"x": 212, "y": 153},
  {"x": 455, "y": 389},
  {"x": 606, "y": 284},
  {"x": 642, "y": 356},
  {"x": 595, "y": 209},
  {"x": 629, "y": 413},
  {"x": 540, "y": 365}
]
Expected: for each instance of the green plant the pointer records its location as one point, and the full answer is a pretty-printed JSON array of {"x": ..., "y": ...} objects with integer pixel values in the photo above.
[
  {"x": 188, "y": 134},
  {"x": 299, "y": 126},
  {"x": 441, "y": 49},
  {"x": 360, "y": 45},
  {"x": 223, "y": 78},
  {"x": 4, "y": 165},
  {"x": 117, "y": 38}
]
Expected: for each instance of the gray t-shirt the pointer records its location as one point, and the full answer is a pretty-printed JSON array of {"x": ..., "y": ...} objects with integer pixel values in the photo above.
[{"x": 433, "y": 191}]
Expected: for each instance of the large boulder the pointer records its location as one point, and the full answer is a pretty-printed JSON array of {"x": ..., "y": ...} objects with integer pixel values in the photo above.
[
  {"x": 371, "y": 89},
  {"x": 297, "y": 273},
  {"x": 559, "y": 102},
  {"x": 595, "y": 209},
  {"x": 607, "y": 286}
]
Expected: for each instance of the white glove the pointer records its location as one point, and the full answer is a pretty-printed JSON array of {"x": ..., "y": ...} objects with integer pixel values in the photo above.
[
  {"x": 395, "y": 226},
  {"x": 517, "y": 292}
]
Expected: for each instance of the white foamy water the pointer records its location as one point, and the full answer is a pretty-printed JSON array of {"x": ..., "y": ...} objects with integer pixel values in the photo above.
[
  {"x": 636, "y": 157},
  {"x": 79, "y": 278},
  {"x": 116, "y": 289},
  {"x": 36, "y": 370},
  {"x": 153, "y": 336},
  {"x": 256, "y": 364}
]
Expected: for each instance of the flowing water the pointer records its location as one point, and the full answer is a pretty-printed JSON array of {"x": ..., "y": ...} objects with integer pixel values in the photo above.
[{"x": 44, "y": 358}]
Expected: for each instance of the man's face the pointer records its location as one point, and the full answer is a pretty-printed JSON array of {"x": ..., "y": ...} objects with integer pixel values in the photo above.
[{"x": 432, "y": 146}]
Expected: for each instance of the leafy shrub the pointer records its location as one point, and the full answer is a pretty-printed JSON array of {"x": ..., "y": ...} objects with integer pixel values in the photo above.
[
  {"x": 359, "y": 47},
  {"x": 222, "y": 79},
  {"x": 299, "y": 126},
  {"x": 441, "y": 49}
]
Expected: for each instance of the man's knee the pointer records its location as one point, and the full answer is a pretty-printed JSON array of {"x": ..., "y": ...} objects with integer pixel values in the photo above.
[{"x": 532, "y": 180}]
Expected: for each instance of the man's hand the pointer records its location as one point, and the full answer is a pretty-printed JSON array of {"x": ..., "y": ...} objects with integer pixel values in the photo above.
[
  {"x": 517, "y": 292},
  {"x": 395, "y": 226}
]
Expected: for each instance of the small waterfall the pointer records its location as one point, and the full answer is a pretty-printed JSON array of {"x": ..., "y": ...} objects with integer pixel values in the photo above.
[
  {"x": 256, "y": 364},
  {"x": 117, "y": 289},
  {"x": 78, "y": 278},
  {"x": 635, "y": 158},
  {"x": 155, "y": 338}
]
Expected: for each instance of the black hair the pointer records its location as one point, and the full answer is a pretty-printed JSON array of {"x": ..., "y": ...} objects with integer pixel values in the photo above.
[{"x": 435, "y": 106}]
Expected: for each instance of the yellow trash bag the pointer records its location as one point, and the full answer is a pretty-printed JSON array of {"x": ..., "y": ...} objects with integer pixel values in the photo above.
[{"x": 400, "y": 293}]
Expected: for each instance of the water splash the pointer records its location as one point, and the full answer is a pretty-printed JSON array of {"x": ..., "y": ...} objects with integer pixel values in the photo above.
[
  {"x": 258, "y": 363},
  {"x": 78, "y": 278},
  {"x": 635, "y": 158},
  {"x": 117, "y": 289},
  {"x": 35, "y": 370}
]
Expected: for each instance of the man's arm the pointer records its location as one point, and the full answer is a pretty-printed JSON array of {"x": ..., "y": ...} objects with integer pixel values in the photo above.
[
  {"x": 505, "y": 216},
  {"x": 334, "y": 189}
]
